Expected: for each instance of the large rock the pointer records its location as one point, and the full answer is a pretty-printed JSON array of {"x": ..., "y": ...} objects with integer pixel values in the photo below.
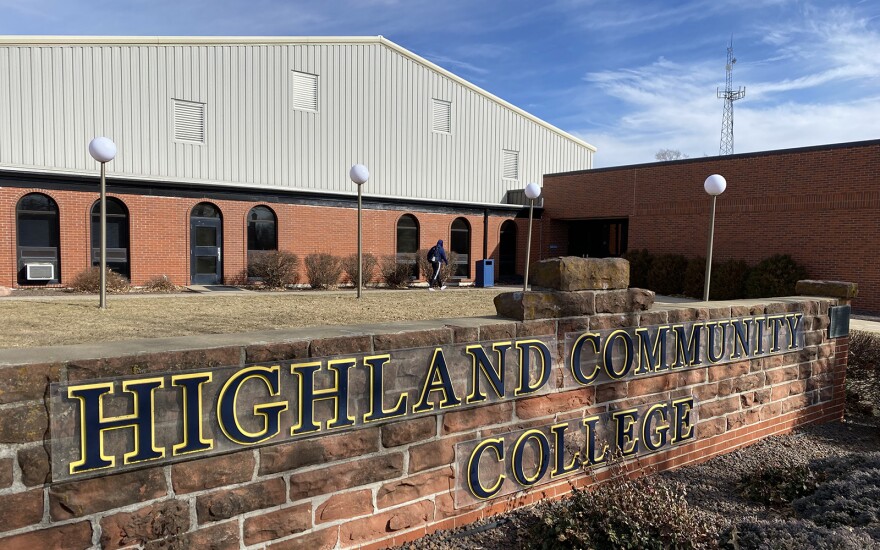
[
  {"x": 5, "y": 291},
  {"x": 834, "y": 289},
  {"x": 571, "y": 273},
  {"x": 525, "y": 306}
]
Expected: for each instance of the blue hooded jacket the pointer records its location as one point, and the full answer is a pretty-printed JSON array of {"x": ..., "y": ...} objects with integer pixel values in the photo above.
[{"x": 440, "y": 253}]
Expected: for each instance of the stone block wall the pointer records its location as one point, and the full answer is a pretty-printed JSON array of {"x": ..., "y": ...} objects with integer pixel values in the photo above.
[{"x": 379, "y": 485}]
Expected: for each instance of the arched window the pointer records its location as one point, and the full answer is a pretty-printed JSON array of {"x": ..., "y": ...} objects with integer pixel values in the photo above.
[
  {"x": 408, "y": 241},
  {"x": 206, "y": 244},
  {"x": 39, "y": 239},
  {"x": 507, "y": 250},
  {"x": 460, "y": 243},
  {"x": 262, "y": 233},
  {"x": 117, "y": 236}
]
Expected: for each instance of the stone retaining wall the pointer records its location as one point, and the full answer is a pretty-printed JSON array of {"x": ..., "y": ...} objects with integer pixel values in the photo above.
[{"x": 379, "y": 485}]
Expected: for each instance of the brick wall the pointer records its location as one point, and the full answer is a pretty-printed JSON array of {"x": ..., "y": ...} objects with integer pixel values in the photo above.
[
  {"x": 820, "y": 205},
  {"x": 160, "y": 228},
  {"x": 377, "y": 485}
]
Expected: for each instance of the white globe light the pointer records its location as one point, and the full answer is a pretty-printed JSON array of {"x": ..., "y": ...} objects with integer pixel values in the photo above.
[
  {"x": 102, "y": 149},
  {"x": 715, "y": 184},
  {"x": 359, "y": 174},
  {"x": 533, "y": 191}
]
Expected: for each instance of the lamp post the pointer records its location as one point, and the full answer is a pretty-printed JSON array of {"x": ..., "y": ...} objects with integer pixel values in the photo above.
[
  {"x": 532, "y": 192},
  {"x": 359, "y": 174},
  {"x": 103, "y": 150},
  {"x": 714, "y": 185}
]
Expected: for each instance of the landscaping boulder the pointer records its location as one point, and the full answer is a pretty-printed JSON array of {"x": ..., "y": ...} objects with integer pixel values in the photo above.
[{"x": 571, "y": 273}]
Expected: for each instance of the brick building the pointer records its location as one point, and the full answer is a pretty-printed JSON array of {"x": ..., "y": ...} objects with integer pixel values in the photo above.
[
  {"x": 232, "y": 146},
  {"x": 821, "y": 205}
]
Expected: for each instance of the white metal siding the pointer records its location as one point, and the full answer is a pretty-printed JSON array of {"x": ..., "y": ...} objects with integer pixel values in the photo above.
[{"x": 374, "y": 105}]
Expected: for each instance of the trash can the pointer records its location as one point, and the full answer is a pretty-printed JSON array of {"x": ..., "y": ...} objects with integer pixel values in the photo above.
[{"x": 485, "y": 273}]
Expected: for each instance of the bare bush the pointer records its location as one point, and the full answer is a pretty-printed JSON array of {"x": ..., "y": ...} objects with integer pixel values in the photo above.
[
  {"x": 277, "y": 268},
  {"x": 396, "y": 274},
  {"x": 160, "y": 283},
  {"x": 446, "y": 270},
  {"x": 350, "y": 266},
  {"x": 89, "y": 280},
  {"x": 323, "y": 270}
]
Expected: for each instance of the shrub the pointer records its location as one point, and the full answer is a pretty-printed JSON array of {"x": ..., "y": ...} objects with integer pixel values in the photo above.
[
  {"x": 775, "y": 276},
  {"x": 276, "y": 268},
  {"x": 646, "y": 513},
  {"x": 323, "y": 270},
  {"x": 629, "y": 510},
  {"x": 160, "y": 283},
  {"x": 445, "y": 270},
  {"x": 852, "y": 499},
  {"x": 728, "y": 280},
  {"x": 89, "y": 280},
  {"x": 639, "y": 267},
  {"x": 350, "y": 266},
  {"x": 667, "y": 274},
  {"x": 695, "y": 278},
  {"x": 396, "y": 274},
  {"x": 775, "y": 486},
  {"x": 792, "y": 535},
  {"x": 864, "y": 354}
]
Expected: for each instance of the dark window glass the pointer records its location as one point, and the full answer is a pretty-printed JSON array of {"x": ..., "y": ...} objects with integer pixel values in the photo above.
[
  {"x": 205, "y": 210},
  {"x": 36, "y": 202},
  {"x": 117, "y": 224},
  {"x": 117, "y": 236},
  {"x": 460, "y": 243},
  {"x": 407, "y": 235},
  {"x": 206, "y": 265},
  {"x": 408, "y": 241},
  {"x": 262, "y": 233},
  {"x": 206, "y": 236},
  {"x": 38, "y": 235}
]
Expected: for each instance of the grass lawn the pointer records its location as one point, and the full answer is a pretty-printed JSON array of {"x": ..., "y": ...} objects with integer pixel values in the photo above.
[{"x": 66, "y": 319}]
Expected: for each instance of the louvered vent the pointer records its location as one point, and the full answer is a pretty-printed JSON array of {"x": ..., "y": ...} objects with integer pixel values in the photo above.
[
  {"x": 442, "y": 116},
  {"x": 304, "y": 91},
  {"x": 189, "y": 121},
  {"x": 510, "y": 164}
]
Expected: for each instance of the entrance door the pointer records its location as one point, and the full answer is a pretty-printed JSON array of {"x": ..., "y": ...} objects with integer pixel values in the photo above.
[
  {"x": 206, "y": 245},
  {"x": 507, "y": 251},
  {"x": 597, "y": 238}
]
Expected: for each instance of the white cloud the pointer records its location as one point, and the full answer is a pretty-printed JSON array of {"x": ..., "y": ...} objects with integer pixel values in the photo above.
[{"x": 828, "y": 56}]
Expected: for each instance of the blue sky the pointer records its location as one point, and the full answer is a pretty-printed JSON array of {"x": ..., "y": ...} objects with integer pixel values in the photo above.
[{"x": 630, "y": 77}]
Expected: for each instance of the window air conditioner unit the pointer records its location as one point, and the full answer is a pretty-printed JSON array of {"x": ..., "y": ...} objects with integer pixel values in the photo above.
[{"x": 40, "y": 272}]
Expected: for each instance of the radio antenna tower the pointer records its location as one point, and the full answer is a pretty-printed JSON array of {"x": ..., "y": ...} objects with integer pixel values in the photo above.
[{"x": 729, "y": 95}]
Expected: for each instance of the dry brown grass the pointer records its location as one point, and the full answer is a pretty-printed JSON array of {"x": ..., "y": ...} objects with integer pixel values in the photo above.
[{"x": 63, "y": 320}]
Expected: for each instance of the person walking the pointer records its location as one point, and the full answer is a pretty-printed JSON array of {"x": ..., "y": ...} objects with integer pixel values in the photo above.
[{"x": 436, "y": 255}]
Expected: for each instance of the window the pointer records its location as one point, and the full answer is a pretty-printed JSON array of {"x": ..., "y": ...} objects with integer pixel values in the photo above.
[
  {"x": 189, "y": 121},
  {"x": 460, "y": 243},
  {"x": 262, "y": 233},
  {"x": 39, "y": 237},
  {"x": 408, "y": 241},
  {"x": 304, "y": 91},
  {"x": 442, "y": 116},
  {"x": 510, "y": 164},
  {"x": 117, "y": 236}
]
